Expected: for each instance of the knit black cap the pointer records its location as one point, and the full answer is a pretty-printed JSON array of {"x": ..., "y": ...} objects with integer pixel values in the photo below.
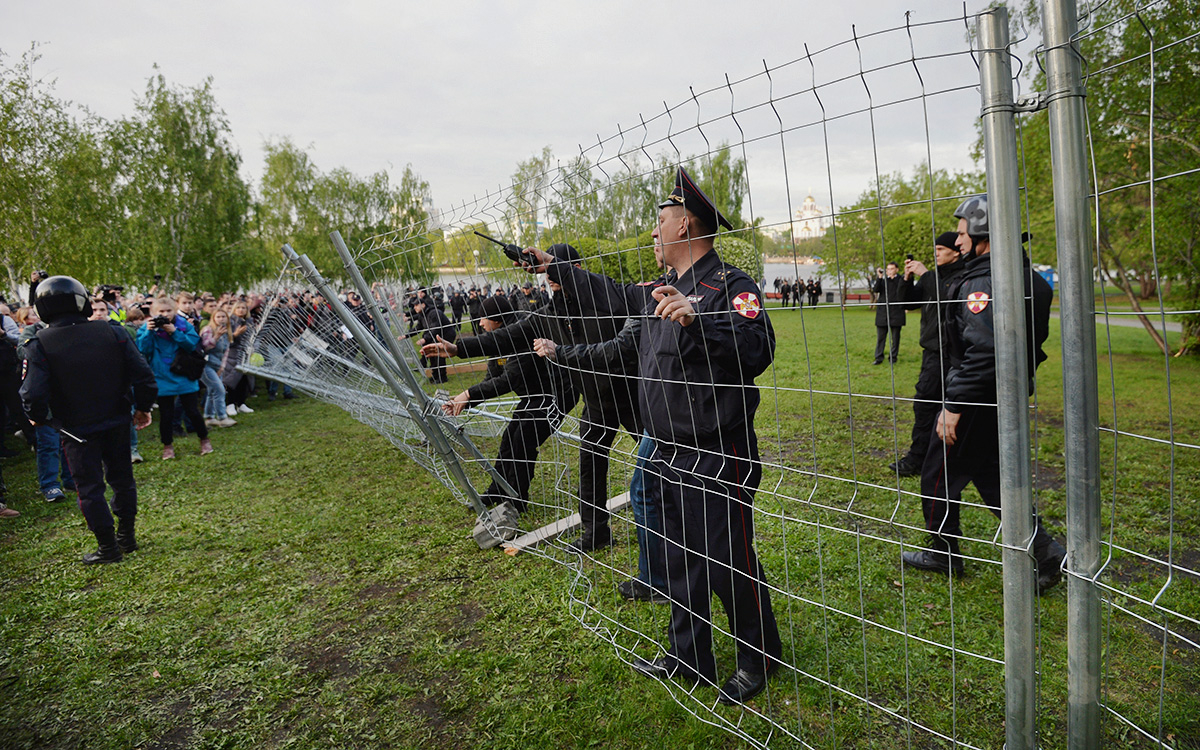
[
  {"x": 564, "y": 253},
  {"x": 947, "y": 239},
  {"x": 497, "y": 308},
  {"x": 689, "y": 195}
]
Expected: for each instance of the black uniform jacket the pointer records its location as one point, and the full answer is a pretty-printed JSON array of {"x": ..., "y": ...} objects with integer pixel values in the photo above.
[
  {"x": 972, "y": 338},
  {"x": 935, "y": 289},
  {"x": 80, "y": 374},
  {"x": 433, "y": 322},
  {"x": 619, "y": 352},
  {"x": 563, "y": 321},
  {"x": 523, "y": 374},
  {"x": 697, "y": 381},
  {"x": 890, "y": 296}
]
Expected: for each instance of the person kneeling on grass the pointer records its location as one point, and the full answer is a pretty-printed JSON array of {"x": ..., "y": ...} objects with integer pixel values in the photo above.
[{"x": 160, "y": 340}]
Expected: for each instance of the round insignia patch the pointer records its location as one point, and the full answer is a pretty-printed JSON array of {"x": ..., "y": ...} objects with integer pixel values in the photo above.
[
  {"x": 977, "y": 301},
  {"x": 746, "y": 304}
]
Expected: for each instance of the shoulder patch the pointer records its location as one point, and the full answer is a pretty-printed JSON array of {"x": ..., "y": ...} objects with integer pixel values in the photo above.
[
  {"x": 977, "y": 302},
  {"x": 747, "y": 305}
]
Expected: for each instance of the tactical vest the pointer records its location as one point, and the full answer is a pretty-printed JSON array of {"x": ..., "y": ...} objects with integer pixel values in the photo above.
[{"x": 88, "y": 379}]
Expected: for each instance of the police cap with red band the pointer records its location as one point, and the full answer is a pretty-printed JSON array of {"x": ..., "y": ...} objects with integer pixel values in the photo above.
[{"x": 689, "y": 195}]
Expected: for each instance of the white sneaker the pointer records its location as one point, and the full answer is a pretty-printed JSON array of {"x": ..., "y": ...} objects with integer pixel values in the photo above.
[
  {"x": 226, "y": 422},
  {"x": 231, "y": 410},
  {"x": 245, "y": 409}
]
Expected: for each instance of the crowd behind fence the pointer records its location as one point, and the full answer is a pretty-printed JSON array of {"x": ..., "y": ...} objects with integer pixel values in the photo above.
[{"x": 872, "y": 650}]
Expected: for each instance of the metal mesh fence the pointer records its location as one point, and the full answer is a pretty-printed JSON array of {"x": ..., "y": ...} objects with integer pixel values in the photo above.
[{"x": 870, "y": 651}]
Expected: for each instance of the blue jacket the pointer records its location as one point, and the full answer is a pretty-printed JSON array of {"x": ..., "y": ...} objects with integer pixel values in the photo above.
[{"x": 159, "y": 348}]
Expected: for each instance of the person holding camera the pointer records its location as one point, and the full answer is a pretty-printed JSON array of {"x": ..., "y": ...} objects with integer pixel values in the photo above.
[
  {"x": 36, "y": 278},
  {"x": 79, "y": 377},
  {"x": 891, "y": 294},
  {"x": 165, "y": 337}
]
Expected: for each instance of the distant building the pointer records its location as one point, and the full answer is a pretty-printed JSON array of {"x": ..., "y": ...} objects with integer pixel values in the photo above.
[{"x": 810, "y": 220}]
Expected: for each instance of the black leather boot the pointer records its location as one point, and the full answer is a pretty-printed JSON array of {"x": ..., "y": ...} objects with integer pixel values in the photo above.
[
  {"x": 125, "y": 538},
  {"x": 108, "y": 551},
  {"x": 941, "y": 556}
]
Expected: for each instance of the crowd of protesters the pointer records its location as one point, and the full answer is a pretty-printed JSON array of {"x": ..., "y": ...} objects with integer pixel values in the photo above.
[{"x": 212, "y": 327}]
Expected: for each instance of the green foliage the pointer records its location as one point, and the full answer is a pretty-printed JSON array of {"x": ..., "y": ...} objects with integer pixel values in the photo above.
[
  {"x": 300, "y": 205},
  {"x": 909, "y": 234},
  {"x": 638, "y": 258},
  {"x": 527, "y": 200},
  {"x": 738, "y": 252},
  {"x": 185, "y": 203},
  {"x": 160, "y": 191},
  {"x": 1146, "y": 238},
  {"x": 859, "y": 242},
  {"x": 57, "y": 200},
  {"x": 601, "y": 256}
]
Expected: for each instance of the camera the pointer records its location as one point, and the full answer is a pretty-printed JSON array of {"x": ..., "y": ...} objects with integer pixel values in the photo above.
[
  {"x": 161, "y": 321},
  {"x": 42, "y": 275},
  {"x": 108, "y": 292}
]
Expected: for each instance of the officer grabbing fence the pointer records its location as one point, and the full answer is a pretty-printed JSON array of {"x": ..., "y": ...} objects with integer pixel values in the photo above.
[{"x": 79, "y": 377}]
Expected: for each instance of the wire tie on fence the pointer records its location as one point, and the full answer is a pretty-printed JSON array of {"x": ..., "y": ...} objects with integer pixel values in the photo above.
[{"x": 1064, "y": 93}]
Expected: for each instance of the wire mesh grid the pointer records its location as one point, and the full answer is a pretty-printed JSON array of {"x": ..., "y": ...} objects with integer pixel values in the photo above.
[{"x": 871, "y": 651}]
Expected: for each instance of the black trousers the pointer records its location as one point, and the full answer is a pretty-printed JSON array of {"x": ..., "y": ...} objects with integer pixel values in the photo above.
[
  {"x": 437, "y": 366},
  {"x": 927, "y": 403},
  {"x": 532, "y": 422},
  {"x": 190, "y": 403},
  {"x": 974, "y": 458},
  {"x": 105, "y": 456},
  {"x": 708, "y": 521},
  {"x": 598, "y": 429},
  {"x": 881, "y": 339}
]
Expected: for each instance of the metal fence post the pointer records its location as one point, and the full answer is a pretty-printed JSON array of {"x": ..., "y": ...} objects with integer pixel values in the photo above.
[
  {"x": 1081, "y": 410},
  {"x": 1012, "y": 380},
  {"x": 368, "y": 345},
  {"x": 393, "y": 348}
]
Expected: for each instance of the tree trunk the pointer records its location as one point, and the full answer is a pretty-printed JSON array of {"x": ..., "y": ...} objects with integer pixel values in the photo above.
[{"x": 1121, "y": 280}]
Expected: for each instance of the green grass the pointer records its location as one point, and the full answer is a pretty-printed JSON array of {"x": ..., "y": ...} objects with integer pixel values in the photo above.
[{"x": 306, "y": 586}]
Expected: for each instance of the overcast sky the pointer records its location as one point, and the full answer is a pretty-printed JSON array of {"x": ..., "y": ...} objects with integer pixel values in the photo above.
[{"x": 465, "y": 90}]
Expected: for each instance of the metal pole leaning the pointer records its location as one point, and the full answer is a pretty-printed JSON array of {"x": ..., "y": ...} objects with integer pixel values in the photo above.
[
  {"x": 1081, "y": 408},
  {"x": 393, "y": 348},
  {"x": 362, "y": 335},
  {"x": 1012, "y": 380}
]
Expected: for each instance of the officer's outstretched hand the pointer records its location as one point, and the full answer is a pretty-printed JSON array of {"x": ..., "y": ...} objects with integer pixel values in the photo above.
[
  {"x": 440, "y": 348},
  {"x": 947, "y": 426},
  {"x": 673, "y": 306},
  {"x": 545, "y": 348},
  {"x": 454, "y": 406},
  {"x": 141, "y": 419}
]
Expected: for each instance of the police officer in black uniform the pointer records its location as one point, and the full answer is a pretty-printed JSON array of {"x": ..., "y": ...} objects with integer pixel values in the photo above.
[
  {"x": 535, "y": 417},
  {"x": 705, "y": 338},
  {"x": 934, "y": 287},
  {"x": 609, "y": 396},
  {"x": 966, "y": 445},
  {"x": 890, "y": 294},
  {"x": 79, "y": 376}
]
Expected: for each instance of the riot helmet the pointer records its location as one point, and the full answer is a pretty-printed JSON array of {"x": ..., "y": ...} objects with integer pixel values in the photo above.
[
  {"x": 61, "y": 295},
  {"x": 975, "y": 211}
]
